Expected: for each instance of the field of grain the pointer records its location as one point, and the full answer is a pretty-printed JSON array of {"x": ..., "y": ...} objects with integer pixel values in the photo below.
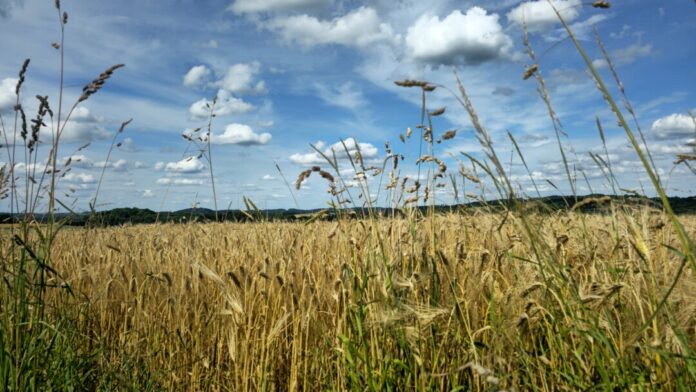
[
  {"x": 466, "y": 301},
  {"x": 503, "y": 294}
]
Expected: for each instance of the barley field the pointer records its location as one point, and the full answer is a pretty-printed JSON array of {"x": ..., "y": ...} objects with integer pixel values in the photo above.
[{"x": 462, "y": 301}]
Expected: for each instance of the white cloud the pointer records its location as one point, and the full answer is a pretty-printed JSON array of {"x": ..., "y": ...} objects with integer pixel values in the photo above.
[
  {"x": 7, "y": 94},
  {"x": 255, "y": 6},
  {"x": 268, "y": 177},
  {"x": 669, "y": 149},
  {"x": 128, "y": 145},
  {"x": 147, "y": 194},
  {"x": 226, "y": 104},
  {"x": 239, "y": 79},
  {"x": 539, "y": 15},
  {"x": 625, "y": 55},
  {"x": 346, "y": 95},
  {"x": 120, "y": 165},
  {"x": 368, "y": 151},
  {"x": 82, "y": 162},
  {"x": 81, "y": 178},
  {"x": 197, "y": 76},
  {"x": 240, "y": 134},
  {"x": 675, "y": 125},
  {"x": 82, "y": 127},
  {"x": 473, "y": 37},
  {"x": 30, "y": 168},
  {"x": 187, "y": 165},
  {"x": 359, "y": 28},
  {"x": 179, "y": 181}
]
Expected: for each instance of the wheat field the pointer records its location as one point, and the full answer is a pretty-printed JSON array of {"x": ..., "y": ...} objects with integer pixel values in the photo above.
[
  {"x": 468, "y": 300},
  {"x": 504, "y": 294}
]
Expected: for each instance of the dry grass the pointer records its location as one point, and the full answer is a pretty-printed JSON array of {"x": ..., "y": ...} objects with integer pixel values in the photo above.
[{"x": 338, "y": 305}]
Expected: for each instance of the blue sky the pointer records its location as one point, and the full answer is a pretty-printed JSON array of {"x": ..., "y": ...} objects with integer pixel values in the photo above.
[{"x": 288, "y": 73}]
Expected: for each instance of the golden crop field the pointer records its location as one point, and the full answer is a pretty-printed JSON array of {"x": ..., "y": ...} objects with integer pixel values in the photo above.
[
  {"x": 473, "y": 300},
  {"x": 447, "y": 263}
]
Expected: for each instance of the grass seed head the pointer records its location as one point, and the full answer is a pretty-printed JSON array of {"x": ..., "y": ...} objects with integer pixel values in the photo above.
[{"x": 529, "y": 72}]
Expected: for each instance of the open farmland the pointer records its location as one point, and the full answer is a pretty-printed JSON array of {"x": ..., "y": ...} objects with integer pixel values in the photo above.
[
  {"x": 301, "y": 195},
  {"x": 461, "y": 300}
]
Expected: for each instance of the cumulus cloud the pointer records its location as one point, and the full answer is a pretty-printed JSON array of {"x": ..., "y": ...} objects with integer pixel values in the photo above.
[
  {"x": 471, "y": 38},
  {"x": 347, "y": 95},
  {"x": 147, "y": 194},
  {"x": 242, "y": 135},
  {"x": 179, "y": 181},
  {"x": 256, "y": 6},
  {"x": 197, "y": 76},
  {"x": 226, "y": 104},
  {"x": 7, "y": 94},
  {"x": 240, "y": 79},
  {"x": 625, "y": 55},
  {"x": 368, "y": 151},
  {"x": 359, "y": 28},
  {"x": 30, "y": 168},
  {"x": 79, "y": 161},
  {"x": 82, "y": 127},
  {"x": 675, "y": 125},
  {"x": 187, "y": 165},
  {"x": 539, "y": 15},
  {"x": 268, "y": 177},
  {"x": 120, "y": 165},
  {"x": 79, "y": 178},
  {"x": 128, "y": 145}
]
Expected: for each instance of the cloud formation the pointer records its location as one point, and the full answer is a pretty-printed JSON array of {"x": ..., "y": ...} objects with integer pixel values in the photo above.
[
  {"x": 78, "y": 178},
  {"x": 358, "y": 28},
  {"x": 540, "y": 16},
  {"x": 470, "y": 38},
  {"x": 187, "y": 165},
  {"x": 197, "y": 76},
  {"x": 346, "y": 96},
  {"x": 240, "y": 79},
  {"x": 7, "y": 94},
  {"x": 368, "y": 151},
  {"x": 675, "y": 125},
  {"x": 82, "y": 127},
  {"x": 178, "y": 181},
  {"x": 242, "y": 135},
  {"x": 226, "y": 104}
]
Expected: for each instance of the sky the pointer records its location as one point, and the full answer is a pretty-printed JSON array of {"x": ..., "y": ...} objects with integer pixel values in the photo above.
[{"x": 288, "y": 74}]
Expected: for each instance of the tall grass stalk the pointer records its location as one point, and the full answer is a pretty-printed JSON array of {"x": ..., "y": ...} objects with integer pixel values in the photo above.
[{"x": 686, "y": 242}]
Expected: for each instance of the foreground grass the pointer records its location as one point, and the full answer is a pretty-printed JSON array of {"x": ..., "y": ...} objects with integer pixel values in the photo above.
[{"x": 475, "y": 301}]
